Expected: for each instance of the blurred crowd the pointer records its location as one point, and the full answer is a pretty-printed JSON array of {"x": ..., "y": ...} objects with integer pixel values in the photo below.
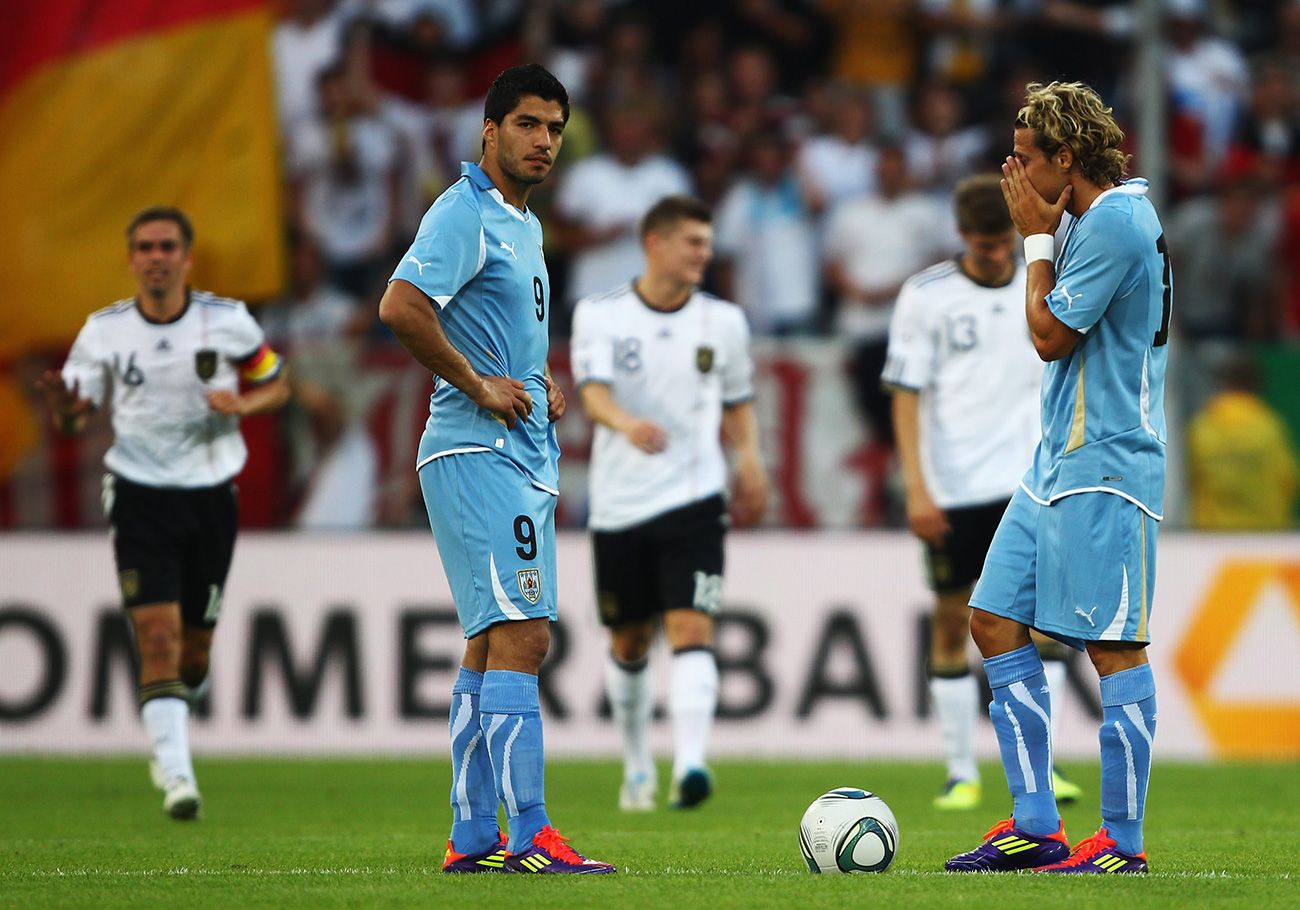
[{"x": 827, "y": 134}]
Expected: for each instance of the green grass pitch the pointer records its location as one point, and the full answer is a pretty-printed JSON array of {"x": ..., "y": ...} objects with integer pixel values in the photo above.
[{"x": 291, "y": 833}]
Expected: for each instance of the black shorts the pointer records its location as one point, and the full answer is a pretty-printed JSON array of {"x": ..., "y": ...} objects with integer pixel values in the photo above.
[
  {"x": 957, "y": 564},
  {"x": 672, "y": 561},
  {"x": 172, "y": 544}
]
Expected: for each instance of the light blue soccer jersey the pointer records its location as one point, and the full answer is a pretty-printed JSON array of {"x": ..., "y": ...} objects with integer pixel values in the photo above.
[
  {"x": 1104, "y": 404},
  {"x": 479, "y": 259}
]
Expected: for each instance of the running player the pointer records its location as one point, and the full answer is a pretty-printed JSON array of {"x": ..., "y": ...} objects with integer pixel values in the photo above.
[
  {"x": 171, "y": 359},
  {"x": 1074, "y": 555}
]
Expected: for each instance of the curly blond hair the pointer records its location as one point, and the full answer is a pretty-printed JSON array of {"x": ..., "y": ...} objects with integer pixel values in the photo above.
[{"x": 1072, "y": 114}]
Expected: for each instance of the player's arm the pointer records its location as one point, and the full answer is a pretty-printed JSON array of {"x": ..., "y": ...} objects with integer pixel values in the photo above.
[
  {"x": 602, "y": 408},
  {"x": 740, "y": 429},
  {"x": 409, "y": 313},
  {"x": 927, "y": 520},
  {"x": 270, "y": 395},
  {"x": 556, "y": 404}
]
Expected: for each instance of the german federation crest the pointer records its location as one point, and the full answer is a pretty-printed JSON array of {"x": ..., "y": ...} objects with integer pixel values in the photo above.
[
  {"x": 704, "y": 358},
  {"x": 205, "y": 363},
  {"x": 530, "y": 584}
]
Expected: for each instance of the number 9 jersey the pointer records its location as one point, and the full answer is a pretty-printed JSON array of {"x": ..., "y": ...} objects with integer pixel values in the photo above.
[
  {"x": 1103, "y": 405},
  {"x": 479, "y": 260}
]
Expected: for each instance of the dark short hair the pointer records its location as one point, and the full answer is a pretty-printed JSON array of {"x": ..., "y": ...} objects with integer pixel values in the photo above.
[
  {"x": 665, "y": 214},
  {"x": 980, "y": 206},
  {"x": 519, "y": 82},
  {"x": 161, "y": 213}
]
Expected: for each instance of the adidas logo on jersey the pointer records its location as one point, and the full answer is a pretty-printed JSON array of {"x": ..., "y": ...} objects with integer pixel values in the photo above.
[{"x": 163, "y": 345}]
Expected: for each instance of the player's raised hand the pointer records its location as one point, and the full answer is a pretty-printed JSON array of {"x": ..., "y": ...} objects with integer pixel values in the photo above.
[
  {"x": 555, "y": 402},
  {"x": 64, "y": 401},
  {"x": 647, "y": 436},
  {"x": 927, "y": 520},
  {"x": 504, "y": 397},
  {"x": 1031, "y": 213}
]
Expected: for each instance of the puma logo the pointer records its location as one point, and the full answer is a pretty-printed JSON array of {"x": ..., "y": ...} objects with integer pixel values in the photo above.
[
  {"x": 1087, "y": 616},
  {"x": 418, "y": 264},
  {"x": 1070, "y": 298},
  {"x": 509, "y": 248}
]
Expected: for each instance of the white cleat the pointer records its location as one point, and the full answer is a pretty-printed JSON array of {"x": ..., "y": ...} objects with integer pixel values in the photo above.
[
  {"x": 181, "y": 799},
  {"x": 638, "y": 794},
  {"x": 156, "y": 775}
]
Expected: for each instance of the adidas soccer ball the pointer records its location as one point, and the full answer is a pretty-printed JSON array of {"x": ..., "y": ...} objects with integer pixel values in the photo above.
[{"x": 848, "y": 830}]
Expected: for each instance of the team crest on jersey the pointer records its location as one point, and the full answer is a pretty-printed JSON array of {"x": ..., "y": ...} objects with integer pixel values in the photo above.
[
  {"x": 530, "y": 584},
  {"x": 129, "y": 581},
  {"x": 205, "y": 363},
  {"x": 704, "y": 358}
]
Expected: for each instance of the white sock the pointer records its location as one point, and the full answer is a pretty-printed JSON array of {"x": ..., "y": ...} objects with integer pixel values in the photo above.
[
  {"x": 1054, "y": 670},
  {"x": 631, "y": 698},
  {"x": 167, "y": 721},
  {"x": 692, "y": 702},
  {"x": 956, "y": 705}
]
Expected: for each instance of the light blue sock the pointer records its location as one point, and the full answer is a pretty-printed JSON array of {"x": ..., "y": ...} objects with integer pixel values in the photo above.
[
  {"x": 1128, "y": 725},
  {"x": 512, "y": 720},
  {"x": 1021, "y": 712},
  {"x": 473, "y": 794}
]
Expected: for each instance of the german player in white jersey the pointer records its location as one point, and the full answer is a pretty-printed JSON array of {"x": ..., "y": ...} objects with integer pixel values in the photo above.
[
  {"x": 662, "y": 367},
  {"x": 171, "y": 360},
  {"x": 965, "y": 380}
]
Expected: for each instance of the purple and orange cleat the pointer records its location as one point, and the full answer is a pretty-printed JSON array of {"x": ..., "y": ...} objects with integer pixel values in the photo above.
[
  {"x": 1008, "y": 849},
  {"x": 493, "y": 860},
  {"x": 550, "y": 854},
  {"x": 1097, "y": 855}
]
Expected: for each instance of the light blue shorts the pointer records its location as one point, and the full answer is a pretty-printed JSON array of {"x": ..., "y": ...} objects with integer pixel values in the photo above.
[
  {"x": 1082, "y": 569},
  {"x": 495, "y": 531}
]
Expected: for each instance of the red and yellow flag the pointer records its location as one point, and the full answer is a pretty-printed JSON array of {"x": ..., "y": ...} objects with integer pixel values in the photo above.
[{"x": 108, "y": 107}]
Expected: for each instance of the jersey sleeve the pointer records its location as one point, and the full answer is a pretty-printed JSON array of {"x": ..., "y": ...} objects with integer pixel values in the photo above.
[
  {"x": 449, "y": 249},
  {"x": 592, "y": 346},
  {"x": 84, "y": 366},
  {"x": 910, "y": 358},
  {"x": 256, "y": 360},
  {"x": 738, "y": 365},
  {"x": 1099, "y": 257}
]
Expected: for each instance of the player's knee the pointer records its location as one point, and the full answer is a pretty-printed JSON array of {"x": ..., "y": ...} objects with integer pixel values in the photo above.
[
  {"x": 1114, "y": 657},
  {"x": 519, "y": 646},
  {"x": 688, "y": 629},
  {"x": 630, "y": 644},
  {"x": 995, "y": 634},
  {"x": 157, "y": 642}
]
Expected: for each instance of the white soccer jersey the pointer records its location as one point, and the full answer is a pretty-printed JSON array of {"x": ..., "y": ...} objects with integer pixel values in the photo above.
[
  {"x": 676, "y": 369},
  {"x": 965, "y": 348},
  {"x": 158, "y": 376}
]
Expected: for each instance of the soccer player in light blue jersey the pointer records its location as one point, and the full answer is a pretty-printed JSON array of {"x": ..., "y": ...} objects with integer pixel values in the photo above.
[
  {"x": 1074, "y": 555},
  {"x": 471, "y": 302}
]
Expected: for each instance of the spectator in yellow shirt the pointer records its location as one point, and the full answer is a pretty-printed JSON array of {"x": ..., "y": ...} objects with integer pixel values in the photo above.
[{"x": 1243, "y": 467}]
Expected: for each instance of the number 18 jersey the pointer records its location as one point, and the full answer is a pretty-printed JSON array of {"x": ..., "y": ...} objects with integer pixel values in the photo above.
[{"x": 1103, "y": 405}]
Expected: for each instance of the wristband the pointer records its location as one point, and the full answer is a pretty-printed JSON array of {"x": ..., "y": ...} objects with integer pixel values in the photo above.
[{"x": 1040, "y": 246}]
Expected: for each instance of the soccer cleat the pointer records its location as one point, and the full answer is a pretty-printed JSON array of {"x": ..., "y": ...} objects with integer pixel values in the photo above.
[
  {"x": 691, "y": 789},
  {"x": 1097, "y": 855},
  {"x": 638, "y": 793},
  {"x": 1066, "y": 792},
  {"x": 550, "y": 854},
  {"x": 1008, "y": 849},
  {"x": 493, "y": 860},
  {"x": 959, "y": 795},
  {"x": 181, "y": 799}
]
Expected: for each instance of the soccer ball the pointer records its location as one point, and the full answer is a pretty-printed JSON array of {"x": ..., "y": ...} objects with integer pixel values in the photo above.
[{"x": 848, "y": 830}]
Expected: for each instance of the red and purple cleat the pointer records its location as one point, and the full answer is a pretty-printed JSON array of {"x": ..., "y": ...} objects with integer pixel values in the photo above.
[
  {"x": 492, "y": 860},
  {"x": 1008, "y": 849},
  {"x": 1097, "y": 855},
  {"x": 550, "y": 854}
]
